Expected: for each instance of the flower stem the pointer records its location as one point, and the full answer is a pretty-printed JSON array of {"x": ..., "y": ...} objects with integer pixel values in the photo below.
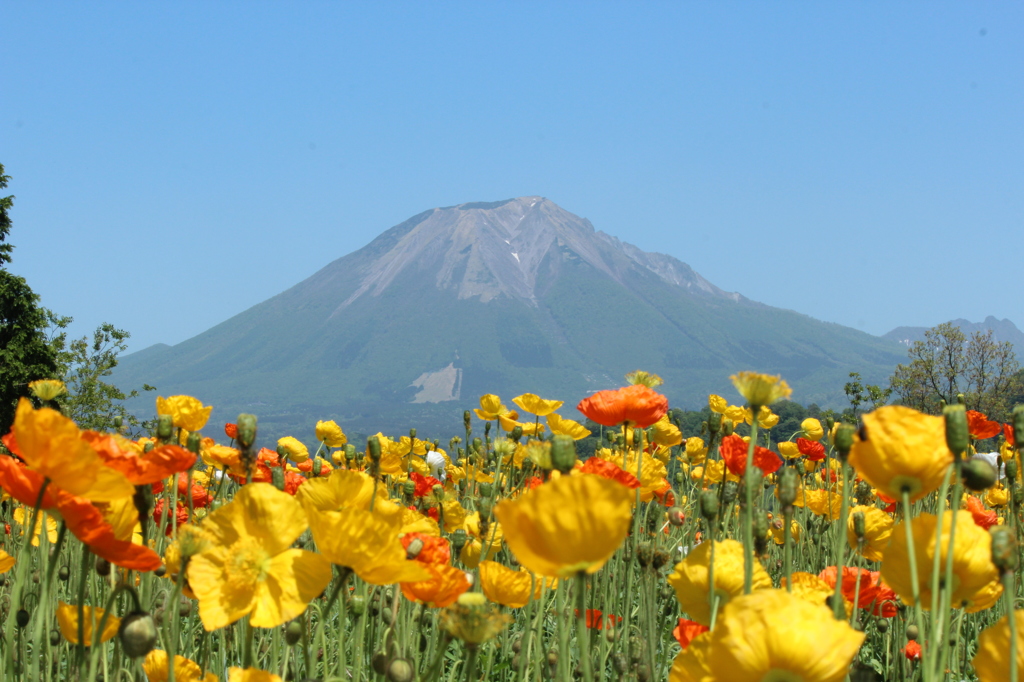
[
  {"x": 748, "y": 498},
  {"x": 581, "y": 626}
]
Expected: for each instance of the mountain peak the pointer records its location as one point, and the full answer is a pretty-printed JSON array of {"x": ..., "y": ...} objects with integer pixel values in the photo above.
[{"x": 507, "y": 248}]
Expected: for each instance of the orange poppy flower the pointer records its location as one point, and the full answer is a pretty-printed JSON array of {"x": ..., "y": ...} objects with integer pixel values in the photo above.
[
  {"x": 873, "y": 594},
  {"x": 980, "y": 426},
  {"x": 686, "y": 630},
  {"x": 734, "y": 453},
  {"x": 595, "y": 620},
  {"x": 435, "y": 550},
  {"x": 635, "y": 404},
  {"x": 151, "y": 467},
  {"x": 610, "y": 470},
  {"x": 231, "y": 431},
  {"x": 814, "y": 450},
  {"x": 986, "y": 518},
  {"x": 445, "y": 585},
  {"x": 83, "y": 519},
  {"x": 912, "y": 650}
]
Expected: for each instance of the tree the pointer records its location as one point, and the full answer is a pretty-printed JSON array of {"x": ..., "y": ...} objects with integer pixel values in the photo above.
[
  {"x": 855, "y": 392},
  {"x": 82, "y": 365},
  {"x": 948, "y": 363},
  {"x": 25, "y": 354}
]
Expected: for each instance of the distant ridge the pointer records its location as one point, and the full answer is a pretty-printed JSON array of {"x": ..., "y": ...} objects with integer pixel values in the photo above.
[
  {"x": 1002, "y": 330},
  {"x": 499, "y": 297}
]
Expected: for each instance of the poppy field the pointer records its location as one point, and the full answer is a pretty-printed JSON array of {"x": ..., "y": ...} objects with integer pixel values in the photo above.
[{"x": 882, "y": 550}]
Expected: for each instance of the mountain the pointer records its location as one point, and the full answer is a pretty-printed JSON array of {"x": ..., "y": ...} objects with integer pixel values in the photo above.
[
  {"x": 1002, "y": 330},
  {"x": 507, "y": 297}
]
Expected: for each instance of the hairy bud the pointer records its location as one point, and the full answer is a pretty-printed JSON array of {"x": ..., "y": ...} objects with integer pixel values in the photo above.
[{"x": 958, "y": 435}]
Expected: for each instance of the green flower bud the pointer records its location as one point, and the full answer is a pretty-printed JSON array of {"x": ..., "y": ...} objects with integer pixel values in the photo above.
[
  {"x": 459, "y": 539},
  {"x": 563, "y": 453},
  {"x": 194, "y": 442},
  {"x": 164, "y": 427},
  {"x": 676, "y": 516},
  {"x": 148, "y": 446},
  {"x": 844, "y": 439},
  {"x": 978, "y": 474},
  {"x": 277, "y": 477},
  {"x": 912, "y": 632},
  {"x": 958, "y": 435},
  {"x": 708, "y": 505},
  {"x": 1004, "y": 549},
  {"x": 714, "y": 424},
  {"x": 318, "y": 466},
  {"x": 1011, "y": 470},
  {"x": 293, "y": 633},
  {"x": 517, "y": 433},
  {"x": 246, "y": 430},
  {"x": 373, "y": 448},
  {"x": 727, "y": 427},
  {"x": 138, "y": 634},
  {"x": 409, "y": 487},
  {"x": 1018, "y": 427},
  {"x": 859, "y": 528},
  {"x": 414, "y": 549},
  {"x": 789, "y": 485},
  {"x": 357, "y": 605},
  {"x": 118, "y": 422}
]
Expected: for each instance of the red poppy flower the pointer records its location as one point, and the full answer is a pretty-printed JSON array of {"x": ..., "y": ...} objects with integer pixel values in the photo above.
[
  {"x": 1008, "y": 433},
  {"x": 534, "y": 482},
  {"x": 150, "y": 467},
  {"x": 610, "y": 470},
  {"x": 981, "y": 426},
  {"x": 424, "y": 484},
  {"x": 84, "y": 520},
  {"x": 231, "y": 431},
  {"x": 435, "y": 550},
  {"x": 636, "y": 404},
  {"x": 181, "y": 512},
  {"x": 734, "y": 453},
  {"x": 595, "y": 620},
  {"x": 890, "y": 504},
  {"x": 912, "y": 651},
  {"x": 873, "y": 593},
  {"x": 200, "y": 496},
  {"x": 686, "y": 630},
  {"x": 268, "y": 457},
  {"x": 814, "y": 450},
  {"x": 665, "y": 494},
  {"x": 986, "y": 518},
  {"x": 292, "y": 482}
]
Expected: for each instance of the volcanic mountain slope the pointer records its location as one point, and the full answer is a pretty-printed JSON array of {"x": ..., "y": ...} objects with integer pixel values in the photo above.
[
  {"x": 1002, "y": 331},
  {"x": 507, "y": 297}
]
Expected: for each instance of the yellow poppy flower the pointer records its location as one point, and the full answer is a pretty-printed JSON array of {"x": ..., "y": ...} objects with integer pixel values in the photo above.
[
  {"x": 21, "y": 517},
  {"x": 365, "y": 542},
  {"x": 770, "y": 635},
  {"x": 67, "y": 621},
  {"x": 992, "y": 662},
  {"x": 766, "y": 419},
  {"x": 777, "y": 531},
  {"x": 47, "y": 389},
  {"x": 6, "y": 561},
  {"x": 736, "y": 414},
  {"x": 789, "y": 450},
  {"x": 155, "y": 667},
  {"x": 997, "y": 496},
  {"x": 508, "y": 423},
  {"x": 904, "y": 449},
  {"x": 566, "y": 526},
  {"x": 417, "y": 522},
  {"x": 696, "y": 450},
  {"x": 690, "y": 578},
  {"x": 975, "y": 578},
  {"x": 534, "y": 404},
  {"x": 652, "y": 472},
  {"x": 495, "y": 533},
  {"x": 221, "y": 457},
  {"x": 812, "y": 428},
  {"x": 508, "y": 587},
  {"x": 717, "y": 403},
  {"x": 490, "y": 407},
  {"x": 330, "y": 434},
  {"x": 293, "y": 449},
  {"x": 567, "y": 427},
  {"x": 666, "y": 433},
  {"x": 249, "y": 567},
  {"x": 644, "y": 379},
  {"x": 51, "y": 445},
  {"x": 760, "y": 389},
  {"x": 454, "y": 515},
  {"x": 186, "y": 412},
  {"x": 343, "y": 488},
  {"x": 809, "y": 587},
  {"x": 825, "y": 503},
  {"x": 877, "y": 531}
]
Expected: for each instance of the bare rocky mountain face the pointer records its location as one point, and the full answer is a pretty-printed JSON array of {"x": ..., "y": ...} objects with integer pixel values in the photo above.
[{"x": 506, "y": 297}]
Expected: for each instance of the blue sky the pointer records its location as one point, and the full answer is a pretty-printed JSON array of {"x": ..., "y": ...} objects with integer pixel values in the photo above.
[{"x": 176, "y": 163}]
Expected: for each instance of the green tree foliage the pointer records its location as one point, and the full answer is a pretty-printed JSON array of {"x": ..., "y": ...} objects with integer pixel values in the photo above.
[
  {"x": 948, "y": 363},
  {"x": 83, "y": 364},
  {"x": 859, "y": 394},
  {"x": 25, "y": 354}
]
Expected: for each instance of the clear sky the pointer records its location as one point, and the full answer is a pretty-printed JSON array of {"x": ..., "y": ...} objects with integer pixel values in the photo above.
[{"x": 177, "y": 163}]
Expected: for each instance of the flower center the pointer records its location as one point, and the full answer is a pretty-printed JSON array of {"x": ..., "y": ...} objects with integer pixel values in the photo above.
[
  {"x": 778, "y": 675},
  {"x": 247, "y": 564}
]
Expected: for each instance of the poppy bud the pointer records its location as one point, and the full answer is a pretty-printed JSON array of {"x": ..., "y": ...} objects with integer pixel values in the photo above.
[
  {"x": 761, "y": 524},
  {"x": 164, "y": 427},
  {"x": 478, "y": 444},
  {"x": 1004, "y": 549},
  {"x": 942, "y": 404},
  {"x": 246, "y": 430},
  {"x": 148, "y": 446},
  {"x": 487, "y": 429},
  {"x": 458, "y": 540},
  {"x": 729, "y": 492},
  {"x": 958, "y": 435},
  {"x": 644, "y": 554},
  {"x": 414, "y": 549},
  {"x": 350, "y": 453},
  {"x": 912, "y": 632},
  {"x": 438, "y": 492},
  {"x": 193, "y": 442},
  {"x": 293, "y": 633},
  {"x": 63, "y": 573},
  {"x": 318, "y": 466},
  {"x": 789, "y": 484},
  {"x": 863, "y": 493},
  {"x": 727, "y": 427},
  {"x": 563, "y": 453},
  {"x": 118, "y": 422},
  {"x": 708, "y": 505},
  {"x": 1018, "y": 427},
  {"x": 400, "y": 670},
  {"x": 54, "y": 637},
  {"x": 373, "y": 448},
  {"x": 882, "y": 625},
  {"x": 516, "y": 433},
  {"x": 714, "y": 424},
  {"x": 978, "y": 475},
  {"x": 1011, "y": 470},
  {"x": 409, "y": 487},
  {"x": 282, "y": 453},
  {"x": 357, "y": 605},
  {"x": 620, "y": 664},
  {"x": 484, "y": 507},
  {"x": 466, "y": 417},
  {"x": 102, "y": 567},
  {"x": 277, "y": 477},
  {"x": 21, "y": 618},
  {"x": 844, "y": 440},
  {"x": 138, "y": 634},
  {"x": 859, "y": 524},
  {"x": 676, "y": 516},
  {"x": 960, "y": 399}
]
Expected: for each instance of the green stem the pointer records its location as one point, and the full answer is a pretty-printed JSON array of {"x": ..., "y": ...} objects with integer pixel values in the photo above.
[
  {"x": 581, "y": 627},
  {"x": 748, "y": 498}
]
